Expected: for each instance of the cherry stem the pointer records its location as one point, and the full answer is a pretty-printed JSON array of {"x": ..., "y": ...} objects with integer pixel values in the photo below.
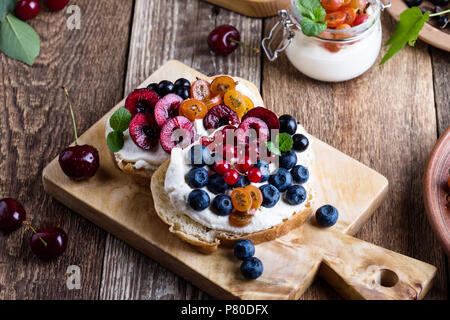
[
  {"x": 244, "y": 44},
  {"x": 71, "y": 114},
  {"x": 35, "y": 232},
  {"x": 440, "y": 13}
]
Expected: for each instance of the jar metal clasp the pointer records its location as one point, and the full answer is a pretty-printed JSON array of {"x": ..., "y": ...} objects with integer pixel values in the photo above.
[
  {"x": 283, "y": 25},
  {"x": 385, "y": 6}
]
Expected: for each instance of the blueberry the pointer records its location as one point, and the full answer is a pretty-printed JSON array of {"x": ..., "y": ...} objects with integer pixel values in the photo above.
[
  {"x": 183, "y": 92},
  {"x": 440, "y": 3},
  {"x": 327, "y": 216},
  {"x": 263, "y": 166},
  {"x": 271, "y": 195},
  {"x": 165, "y": 87},
  {"x": 153, "y": 86},
  {"x": 413, "y": 3},
  {"x": 200, "y": 156},
  {"x": 242, "y": 182},
  {"x": 300, "y": 174},
  {"x": 288, "y": 124},
  {"x": 222, "y": 205},
  {"x": 198, "y": 200},
  {"x": 244, "y": 249},
  {"x": 295, "y": 195},
  {"x": 288, "y": 159},
  {"x": 197, "y": 178},
  {"x": 442, "y": 21},
  {"x": 217, "y": 184},
  {"x": 301, "y": 142},
  {"x": 281, "y": 180},
  {"x": 252, "y": 268},
  {"x": 182, "y": 82}
]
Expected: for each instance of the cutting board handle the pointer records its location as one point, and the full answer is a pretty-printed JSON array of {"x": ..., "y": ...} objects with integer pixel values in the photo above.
[{"x": 360, "y": 270}]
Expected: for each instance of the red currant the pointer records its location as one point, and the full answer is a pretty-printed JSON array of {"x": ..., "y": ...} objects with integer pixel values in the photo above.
[
  {"x": 254, "y": 175},
  {"x": 222, "y": 167},
  {"x": 27, "y": 9},
  {"x": 244, "y": 164},
  {"x": 231, "y": 177}
]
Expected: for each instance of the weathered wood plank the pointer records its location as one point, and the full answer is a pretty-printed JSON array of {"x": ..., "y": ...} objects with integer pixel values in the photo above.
[
  {"x": 386, "y": 119},
  {"x": 441, "y": 71},
  {"x": 164, "y": 30},
  {"x": 36, "y": 126}
]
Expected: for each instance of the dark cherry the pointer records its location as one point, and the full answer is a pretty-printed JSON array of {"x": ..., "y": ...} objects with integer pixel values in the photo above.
[
  {"x": 55, "y": 243},
  {"x": 223, "y": 39},
  {"x": 153, "y": 86},
  {"x": 165, "y": 87},
  {"x": 12, "y": 215},
  {"x": 79, "y": 162},
  {"x": 56, "y": 5},
  {"x": 27, "y": 9},
  {"x": 183, "y": 92},
  {"x": 182, "y": 82}
]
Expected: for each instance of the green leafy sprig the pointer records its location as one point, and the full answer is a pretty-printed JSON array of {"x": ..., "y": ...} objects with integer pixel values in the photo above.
[
  {"x": 313, "y": 15},
  {"x": 283, "y": 143},
  {"x": 119, "y": 122}
]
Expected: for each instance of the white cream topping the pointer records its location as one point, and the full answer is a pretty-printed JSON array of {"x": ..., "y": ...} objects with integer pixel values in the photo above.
[{"x": 265, "y": 218}]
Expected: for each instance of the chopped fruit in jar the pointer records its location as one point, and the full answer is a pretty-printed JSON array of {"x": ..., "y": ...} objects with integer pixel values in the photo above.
[
  {"x": 200, "y": 90},
  {"x": 334, "y": 19},
  {"x": 325, "y": 35},
  {"x": 193, "y": 109},
  {"x": 256, "y": 194},
  {"x": 342, "y": 35},
  {"x": 214, "y": 101},
  {"x": 350, "y": 14},
  {"x": 241, "y": 199},
  {"x": 360, "y": 19},
  {"x": 358, "y": 4},
  {"x": 332, "y": 47},
  {"x": 231, "y": 177},
  {"x": 222, "y": 84},
  {"x": 346, "y": 2},
  {"x": 249, "y": 105},
  {"x": 235, "y": 101},
  {"x": 239, "y": 220},
  {"x": 331, "y": 5}
]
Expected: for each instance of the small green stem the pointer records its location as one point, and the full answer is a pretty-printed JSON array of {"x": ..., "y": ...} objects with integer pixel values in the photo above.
[
  {"x": 35, "y": 232},
  {"x": 244, "y": 44},
  {"x": 440, "y": 13},
  {"x": 71, "y": 114}
]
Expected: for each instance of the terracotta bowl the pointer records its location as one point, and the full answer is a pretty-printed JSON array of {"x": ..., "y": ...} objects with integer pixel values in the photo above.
[{"x": 437, "y": 192}]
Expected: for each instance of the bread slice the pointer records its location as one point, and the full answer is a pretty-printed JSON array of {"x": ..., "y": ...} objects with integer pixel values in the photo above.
[
  {"x": 129, "y": 168},
  {"x": 205, "y": 239}
]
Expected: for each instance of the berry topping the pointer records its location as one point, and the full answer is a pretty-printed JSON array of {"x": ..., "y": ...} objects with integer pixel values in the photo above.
[
  {"x": 193, "y": 109},
  {"x": 266, "y": 115},
  {"x": 198, "y": 200},
  {"x": 144, "y": 131},
  {"x": 244, "y": 249},
  {"x": 27, "y": 9},
  {"x": 252, "y": 268},
  {"x": 200, "y": 156},
  {"x": 167, "y": 108},
  {"x": 222, "y": 84},
  {"x": 241, "y": 199},
  {"x": 256, "y": 194},
  {"x": 214, "y": 101},
  {"x": 300, "y": 174},
  {"x": 252, "y": 129},
  {"x": 56, "y": 5},
  {"x": 200, "y": 90},
  {"x": 141, "y": 101},
  {"x": 153, "y": 86},
  {"x": 79, "y": 162},
  {"x": 165, "y": 87},
  {"x": 288, "y": 124},
  {"x": 222, "y": 167},
  {"x": 271, "y": 195},
  {"x": 182, "y": 82},
  {"x": 350, "y": 15},
  {"x": 281, "y": 180},
  {"x": 301, "y": 142},
  {"x": 334, "y": 19},
  {"x": 327, "y": 216},
  {"x": 220, "y": 116},
  {"x": 239, "y": 220},
  {"x": 12, "y": 215},
  {"x": 217, "y": 184},
  {"x": 295, "y": 194},
  {"x": 360, "y": 19},
  {"x": 263, "y": 166},
  {"x": 254, "y": 175},
  {"x": 177, "y": 132},
  {"x": 183, "y": 92},
  {"x": 222, "y": 205},
  {"x": 331, "y": 5},
  {"x": 222, "y": 40},
  {"x": 358, "y": 4},
  {"x": 288, "y": 159},
  {"x": 231, "y": 177},
  {"x": 197, "y": 178},
  {"x": 235, "y": 101},
  {"x": 48, "y": 243},
  {"x": 249, "y": 105}
]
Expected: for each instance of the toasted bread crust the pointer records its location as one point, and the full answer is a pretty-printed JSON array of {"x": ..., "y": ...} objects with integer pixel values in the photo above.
[
  {"x": 162, "y": 202},
  {"x": 142, "y": 176}
]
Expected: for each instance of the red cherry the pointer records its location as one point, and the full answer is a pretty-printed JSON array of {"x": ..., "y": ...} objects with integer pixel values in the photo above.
[
  {"x": 231, "y": 177},
  {"x": 27, "y": 9},
  {"x": 56, "y": 5},
  {"x": 48, "y": 243},
  {"x": 254, "y": 175},
  {"x": 244, "y": 164},
  {"x": 12, "y": 215},
  {"x": 222, "y": 167},
  {"x": 222, "y": 39}
]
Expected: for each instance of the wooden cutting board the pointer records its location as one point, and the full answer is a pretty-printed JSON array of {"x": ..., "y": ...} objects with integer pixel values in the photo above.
[
  {"x": 253, "y": 8},
  {"x": 356, "y": 269}
]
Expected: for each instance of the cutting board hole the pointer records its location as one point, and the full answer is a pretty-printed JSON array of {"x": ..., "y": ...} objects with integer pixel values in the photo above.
[{"x": 388, "y": 278}]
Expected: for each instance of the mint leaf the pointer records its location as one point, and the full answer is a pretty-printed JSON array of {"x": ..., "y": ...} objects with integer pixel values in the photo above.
[
  {"x": 18, "y": 40},
  {"x": 285, "y": 142},
  {"x": 114, "y": 140},
  {"x": 120, "y": 120},
  {"x": 6, "y": 6},
  {"x": 312, "y": 17},
  {"x": 411, "y": 22},
  {"x": 272, "y": 147},
  {"x": 311, "y": 28}
]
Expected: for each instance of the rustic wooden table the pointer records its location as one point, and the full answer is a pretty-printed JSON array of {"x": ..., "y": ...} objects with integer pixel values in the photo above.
[{"x": 389, "y": 119}]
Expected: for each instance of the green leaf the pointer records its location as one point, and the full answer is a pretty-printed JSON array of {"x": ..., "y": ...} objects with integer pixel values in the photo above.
[
  {"x": 285, "y": 142},
  {"x": 120, "y": 120},
  {"x": 411, "y": 22},
  {"x": 311, "y": 28},
  {"x": 18, "y": 40},
  {"x": 6, "y": 6},
  {"x": 115, "y": 141},
  {"x": 272, "y": 147}
]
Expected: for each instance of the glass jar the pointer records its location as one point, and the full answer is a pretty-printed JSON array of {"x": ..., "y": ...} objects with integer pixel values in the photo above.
[{"x": 334, "y": 55}]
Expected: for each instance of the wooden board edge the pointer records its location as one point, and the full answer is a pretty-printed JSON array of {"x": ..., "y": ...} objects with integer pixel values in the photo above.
[{"x": 253, "y": 8}]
